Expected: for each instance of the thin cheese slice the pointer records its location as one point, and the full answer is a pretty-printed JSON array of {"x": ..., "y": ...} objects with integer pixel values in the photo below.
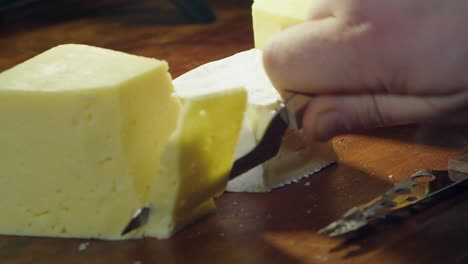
[
  {"x": 198, "y": 160},
  {"x": 273, "y": 16},
  {"x": 83, "y": 131}
]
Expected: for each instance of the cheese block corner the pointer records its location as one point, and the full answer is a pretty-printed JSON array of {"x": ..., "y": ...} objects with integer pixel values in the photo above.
[{"x": 273, "y": 16}]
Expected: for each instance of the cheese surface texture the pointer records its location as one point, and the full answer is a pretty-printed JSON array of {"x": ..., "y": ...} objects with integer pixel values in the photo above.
[
  {"x": 296, "y": 158},
  {"x": 273, "y": 16},
  {"x": 83, "y": 132}
]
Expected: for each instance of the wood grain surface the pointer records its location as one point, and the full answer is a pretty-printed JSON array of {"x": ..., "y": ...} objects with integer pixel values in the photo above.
[{"x": 276, "y": 227}]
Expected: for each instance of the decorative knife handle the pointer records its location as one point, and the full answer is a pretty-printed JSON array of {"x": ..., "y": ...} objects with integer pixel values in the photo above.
[{"x": 458, "y": 167}]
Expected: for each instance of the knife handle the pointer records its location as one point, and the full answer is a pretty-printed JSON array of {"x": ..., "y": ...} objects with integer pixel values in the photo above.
[{"x": 458, "y": 167}]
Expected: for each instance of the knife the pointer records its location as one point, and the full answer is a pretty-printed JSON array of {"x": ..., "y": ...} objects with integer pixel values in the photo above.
[
  {"x": 288, "y": 116},
  {"x": 416, "y": 190}
]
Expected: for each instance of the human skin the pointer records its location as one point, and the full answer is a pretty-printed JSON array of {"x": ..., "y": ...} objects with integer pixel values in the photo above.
[{"x": 375, "y": 63}]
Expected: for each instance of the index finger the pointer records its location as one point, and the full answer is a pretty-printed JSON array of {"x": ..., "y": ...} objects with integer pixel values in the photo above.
[{"x": 324, "y": 56}]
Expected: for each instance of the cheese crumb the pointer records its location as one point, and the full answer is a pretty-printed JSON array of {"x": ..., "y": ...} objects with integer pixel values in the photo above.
[
  {"x": 307, "y": 184},
  {"x": 83, "y": 246}
]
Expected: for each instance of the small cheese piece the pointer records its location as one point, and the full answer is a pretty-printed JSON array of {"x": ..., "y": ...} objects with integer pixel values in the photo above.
[
  {"x": 83, "y": 130},
  {"x": 296, "y": 158},
  {"x": 273, "y": 16},
  {"x": 197, "y": 161}
]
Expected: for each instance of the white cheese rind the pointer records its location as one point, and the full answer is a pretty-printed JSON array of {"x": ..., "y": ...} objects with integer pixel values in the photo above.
[{"x": 244, "y": 69}]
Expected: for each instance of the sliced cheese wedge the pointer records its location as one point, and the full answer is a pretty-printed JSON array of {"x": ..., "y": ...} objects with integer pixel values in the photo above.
[
  {"x": 197, "y": 161},
  {"x": 83, "y": 131},
  {"x": 296, "y": 158},
  {"x": 273, "y": 16}
]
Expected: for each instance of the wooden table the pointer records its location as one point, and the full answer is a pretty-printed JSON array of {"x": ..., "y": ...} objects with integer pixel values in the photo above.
[{"x": 277, "y": 227}]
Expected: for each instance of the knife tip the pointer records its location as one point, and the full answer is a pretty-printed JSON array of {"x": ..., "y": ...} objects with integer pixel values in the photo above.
[{"x": 139, "y": 218}]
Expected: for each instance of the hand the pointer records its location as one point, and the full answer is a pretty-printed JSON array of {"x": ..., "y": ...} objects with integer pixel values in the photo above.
[{"x": 375, "y": 63}]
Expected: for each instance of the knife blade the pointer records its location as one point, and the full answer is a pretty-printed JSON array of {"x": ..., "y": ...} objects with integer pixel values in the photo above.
[
  {"x": 139, "y": 218},
  {"x": 288, "y": 116}
]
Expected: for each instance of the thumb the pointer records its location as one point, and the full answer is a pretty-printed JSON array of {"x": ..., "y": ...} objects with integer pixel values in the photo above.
[{"x": 330, "y": 115}]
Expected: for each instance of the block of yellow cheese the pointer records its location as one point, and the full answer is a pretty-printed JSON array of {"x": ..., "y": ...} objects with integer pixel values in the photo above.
[
  {"x": 272, "y": 16},
  {"x": 83, "y": 132}
]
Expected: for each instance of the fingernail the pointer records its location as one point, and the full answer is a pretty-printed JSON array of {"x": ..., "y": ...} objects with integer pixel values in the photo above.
[{"x": 330, "y": 124}]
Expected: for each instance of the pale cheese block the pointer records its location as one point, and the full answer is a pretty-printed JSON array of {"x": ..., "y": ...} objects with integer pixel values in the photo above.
[
  {"x": 83, "y": 131},
  {"x": 296, "y": 158},
  {"x": 270, "y": 17}
]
